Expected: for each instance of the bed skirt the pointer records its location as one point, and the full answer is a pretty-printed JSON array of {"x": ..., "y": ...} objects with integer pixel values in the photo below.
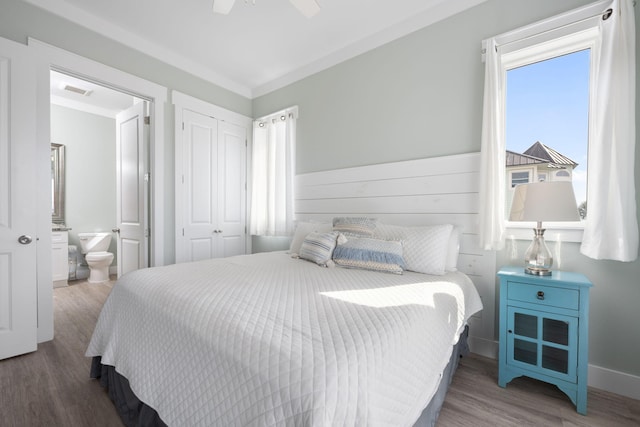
[{"x": 135, "y": 413}]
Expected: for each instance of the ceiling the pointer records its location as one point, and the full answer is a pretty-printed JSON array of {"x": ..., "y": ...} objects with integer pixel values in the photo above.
[
  {"x": 259, "y": 47},
  {"x": 65, "y": 91}
]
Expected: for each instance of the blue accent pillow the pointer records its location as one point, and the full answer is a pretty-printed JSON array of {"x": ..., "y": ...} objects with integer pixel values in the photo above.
[{"x": 370, "y": 254}]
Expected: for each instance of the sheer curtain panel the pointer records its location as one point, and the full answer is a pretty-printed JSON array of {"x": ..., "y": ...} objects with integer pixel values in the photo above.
[
  {"x": 611, "y": 230},
  {"x": 492, "y": 154},
  {"x": 273, "y": 172}
]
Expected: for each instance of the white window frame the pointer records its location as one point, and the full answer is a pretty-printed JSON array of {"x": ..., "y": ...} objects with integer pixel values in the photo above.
[{"x": 549, "y": 39}]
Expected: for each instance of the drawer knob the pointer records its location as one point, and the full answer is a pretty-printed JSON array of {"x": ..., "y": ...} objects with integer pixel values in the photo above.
[{"x": 540, "y": 295}]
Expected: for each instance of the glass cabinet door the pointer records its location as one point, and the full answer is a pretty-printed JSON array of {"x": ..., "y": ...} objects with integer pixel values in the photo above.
[{"x": 543, "y": 342}]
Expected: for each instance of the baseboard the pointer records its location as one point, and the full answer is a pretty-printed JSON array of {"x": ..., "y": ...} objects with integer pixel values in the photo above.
[
  {"x": 601, "y": 378},
  {"x": 483, "y": 347},
  {"x": 614, "y": 381}
]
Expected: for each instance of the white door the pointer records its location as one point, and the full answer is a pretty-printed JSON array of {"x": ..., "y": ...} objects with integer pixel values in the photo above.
[
  {"x": 18, "y": 293},
  {"x": 232, "y": 160},
  {"x": 132, "y": 189},
  {"x": 213, "y": 181}
]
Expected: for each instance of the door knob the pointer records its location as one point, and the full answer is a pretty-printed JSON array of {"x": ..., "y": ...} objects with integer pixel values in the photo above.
[
  {"x": 25, "y": 239},
  {"x": 115, "y": 230}
]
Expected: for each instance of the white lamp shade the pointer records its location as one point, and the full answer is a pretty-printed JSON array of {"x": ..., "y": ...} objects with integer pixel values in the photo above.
[{"x": 544, "y": 201}]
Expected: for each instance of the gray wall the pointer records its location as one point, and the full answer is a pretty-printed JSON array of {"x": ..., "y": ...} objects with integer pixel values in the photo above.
[
  {"x": 421, "y": 96},
  {"x": 90, "y": 170}
]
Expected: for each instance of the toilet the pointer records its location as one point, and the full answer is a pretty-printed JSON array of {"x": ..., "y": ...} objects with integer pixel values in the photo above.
[{"x": 94, "y": 246}]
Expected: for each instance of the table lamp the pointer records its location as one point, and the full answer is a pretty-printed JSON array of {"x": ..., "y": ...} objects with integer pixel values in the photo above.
[{"x": 542, "y": 201}]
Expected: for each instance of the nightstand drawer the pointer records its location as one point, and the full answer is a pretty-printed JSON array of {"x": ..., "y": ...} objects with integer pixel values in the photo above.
[{"x": 544, "y": 295}]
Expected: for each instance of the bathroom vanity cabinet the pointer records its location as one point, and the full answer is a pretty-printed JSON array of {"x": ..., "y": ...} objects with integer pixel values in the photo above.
[{"x": 60, "y": 260}]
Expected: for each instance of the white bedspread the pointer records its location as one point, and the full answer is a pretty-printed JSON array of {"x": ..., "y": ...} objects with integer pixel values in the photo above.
[{"x": 265, "y": 340}]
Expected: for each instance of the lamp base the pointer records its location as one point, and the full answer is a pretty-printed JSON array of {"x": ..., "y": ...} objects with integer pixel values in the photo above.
[
  {"x": 537, "y": 258},
  {"x": 537, "y": 271}
]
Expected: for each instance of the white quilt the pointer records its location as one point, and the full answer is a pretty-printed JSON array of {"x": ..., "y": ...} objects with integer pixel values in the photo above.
[{"x": 266, "y": 340}]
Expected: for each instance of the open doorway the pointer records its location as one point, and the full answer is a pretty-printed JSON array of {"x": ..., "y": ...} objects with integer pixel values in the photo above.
[{"x": 102, "y": 203}]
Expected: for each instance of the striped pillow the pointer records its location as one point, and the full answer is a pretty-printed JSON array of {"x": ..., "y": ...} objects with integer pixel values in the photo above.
[
  {"x": 318, "y": 247},
  {"x": 355, "y": 226},
  {"x": 370, "y": 254}
]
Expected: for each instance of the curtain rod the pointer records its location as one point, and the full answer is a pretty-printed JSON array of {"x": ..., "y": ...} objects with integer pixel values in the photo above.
[
  {"x": 575, "y": 16},
  {"x": 284, "y": 112}
]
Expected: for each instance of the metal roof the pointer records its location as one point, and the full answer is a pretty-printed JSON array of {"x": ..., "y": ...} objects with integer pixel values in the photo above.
[{"x": 548, "y": 154}]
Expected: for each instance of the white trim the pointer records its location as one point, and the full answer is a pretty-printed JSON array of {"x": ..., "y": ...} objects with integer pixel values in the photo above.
[
  {"x": 51, "y": 56},
  {"x": 128, "y": 38},
  {"x": 484, "y": 347},
  {"x": 441, "y": 11},
  {"x": 598, "y": 377},
  {"x": 182, "y": 102},
  {"x": 614, "y": 381},
  {"x": 541, "y": 28},
  {"x": 48, "y": 56}
]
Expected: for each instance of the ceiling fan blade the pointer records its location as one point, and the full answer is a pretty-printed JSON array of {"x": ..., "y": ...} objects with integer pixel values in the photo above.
[
  {"x": 222, "y": 6},
  {"x": 307, "y": 7}
]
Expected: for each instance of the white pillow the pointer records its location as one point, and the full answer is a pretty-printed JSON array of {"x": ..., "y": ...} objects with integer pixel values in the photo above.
[
  {"x": 425, "y": 249},
  {"x": 453, "y": 250},
  {"x": 303, "y": 228},
  {"x": 318, "y": 247}
]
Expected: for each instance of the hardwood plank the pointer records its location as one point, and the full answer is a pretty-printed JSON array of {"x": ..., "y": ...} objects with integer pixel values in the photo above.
[
  {"x": 51, "y": 387},
  {"x": 475, "y": 399}
]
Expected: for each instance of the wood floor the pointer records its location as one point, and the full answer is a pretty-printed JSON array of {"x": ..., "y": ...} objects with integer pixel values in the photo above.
[{"x": 51, "y": 387}]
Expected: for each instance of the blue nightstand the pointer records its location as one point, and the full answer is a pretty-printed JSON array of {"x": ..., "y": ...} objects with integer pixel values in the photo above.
[{"x": 544, "y": 324}]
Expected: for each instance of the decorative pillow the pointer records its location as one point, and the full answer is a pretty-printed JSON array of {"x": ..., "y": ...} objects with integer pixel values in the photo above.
[
  {"x": 355, "y": 226},
  {"x": 453, "y": 250},
  {"x": 370, "y": 254},
  {"x": 425, "y": 249},
  {"x": 303, "y": 228},
  {"x": 318, "y": 247}
]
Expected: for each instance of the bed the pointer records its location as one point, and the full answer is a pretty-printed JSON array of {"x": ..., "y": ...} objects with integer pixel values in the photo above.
[
  {"x": 270, "y": 339},
  {"x": 289, "y": 342}
]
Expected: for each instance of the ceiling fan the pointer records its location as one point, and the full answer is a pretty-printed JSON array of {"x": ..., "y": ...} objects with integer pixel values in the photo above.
[{"x": 307, "y": 7}]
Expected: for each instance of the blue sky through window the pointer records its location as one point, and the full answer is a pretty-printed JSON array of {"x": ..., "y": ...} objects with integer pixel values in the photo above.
[{"x": 548, "y": 101}]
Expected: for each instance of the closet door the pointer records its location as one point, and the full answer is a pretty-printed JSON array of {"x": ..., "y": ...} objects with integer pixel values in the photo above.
[
  {"x": 232, "y": 152},
  {"x": 213, "y": 178},
  {"x": 200, "y": 186}
]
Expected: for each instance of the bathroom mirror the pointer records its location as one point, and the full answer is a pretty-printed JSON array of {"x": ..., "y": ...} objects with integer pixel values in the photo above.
[{"x": 57, "y": 183}]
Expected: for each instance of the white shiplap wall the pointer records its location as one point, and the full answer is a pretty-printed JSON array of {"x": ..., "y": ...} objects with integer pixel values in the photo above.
[{"x": 436, "y": 190}]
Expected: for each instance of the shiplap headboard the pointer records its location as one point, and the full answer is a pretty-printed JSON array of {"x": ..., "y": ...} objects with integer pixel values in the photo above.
[{"x": 436, "y": 190}]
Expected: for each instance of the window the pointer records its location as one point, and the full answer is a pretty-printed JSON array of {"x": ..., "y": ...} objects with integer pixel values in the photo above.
[
  {"x": 547, "y": 113},
  {"x": 606, "y": 29},
  {"x": 519, "y": 178}
]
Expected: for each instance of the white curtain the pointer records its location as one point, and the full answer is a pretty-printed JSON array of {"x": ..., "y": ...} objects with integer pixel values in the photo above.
[
  {"x": 611, "y": 230},
  {"x": 492, "y": 154},
  {"x": 273, "y": 172}
]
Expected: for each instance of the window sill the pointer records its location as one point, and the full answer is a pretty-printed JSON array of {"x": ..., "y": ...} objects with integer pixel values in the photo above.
[{"x": 555, "y": 231}]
